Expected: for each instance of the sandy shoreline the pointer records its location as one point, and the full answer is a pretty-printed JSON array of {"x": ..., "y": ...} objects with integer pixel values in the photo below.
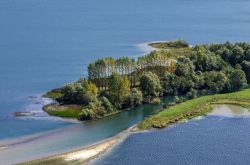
[{"x": 84, "y": 155}]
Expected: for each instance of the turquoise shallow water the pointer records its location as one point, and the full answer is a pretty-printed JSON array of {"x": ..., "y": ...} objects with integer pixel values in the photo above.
[
  {"x": 72, "y": 137},
  {"x": 46, "y": 43}
]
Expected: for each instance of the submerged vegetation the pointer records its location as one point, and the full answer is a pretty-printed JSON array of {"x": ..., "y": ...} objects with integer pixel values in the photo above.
[{"x": 175, "y": 69}]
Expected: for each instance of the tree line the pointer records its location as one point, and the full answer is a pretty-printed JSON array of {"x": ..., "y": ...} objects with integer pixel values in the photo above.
[{"x": 157, "y": 62}]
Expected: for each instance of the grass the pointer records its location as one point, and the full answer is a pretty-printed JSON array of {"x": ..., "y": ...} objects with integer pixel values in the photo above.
[
  {"x": 170, "y": 44},
  {"x": 193, "y": 108},
  {"x": 54, "y": 94},
  {"x": 66, "y": 111}
]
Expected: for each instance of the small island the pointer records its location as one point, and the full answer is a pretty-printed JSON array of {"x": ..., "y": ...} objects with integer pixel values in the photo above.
[{"x": 175, "y": 69}]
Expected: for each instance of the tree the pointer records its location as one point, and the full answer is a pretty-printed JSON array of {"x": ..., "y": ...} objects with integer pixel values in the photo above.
[
  {"x": 205, "y": 60},
  {"x": 237, "y": 79},
  {"x": 119, "y": 88},
  {"x": 225, "y": 54},
  {"x": 185, "y": 84},
  {"x": 81, "y": 92},
  {"x": 237, "y": 55},
  {"x": 150, "y": 84},
  {"x": 88, "y": 86},
  {"x": 247, "y": 54},
  {"x": 246, "y": 68},
  {"x": 170, "y": 84},
  {"x": 216, "y": 82},
  {"x": 184, "y": 67}
]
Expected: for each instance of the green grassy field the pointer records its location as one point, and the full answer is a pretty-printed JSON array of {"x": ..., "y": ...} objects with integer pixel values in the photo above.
[
  {"x": 66, "y": 111},
  {"x": 170, "y": 44},
  {"x": 193, "y": 108}
]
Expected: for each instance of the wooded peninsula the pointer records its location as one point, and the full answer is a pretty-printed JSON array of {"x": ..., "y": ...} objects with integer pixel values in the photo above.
[{"x": 174, "y": 69}]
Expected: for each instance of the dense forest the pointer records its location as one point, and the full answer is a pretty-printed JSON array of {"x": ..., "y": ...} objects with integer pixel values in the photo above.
[{"x": 174, "y": 69}]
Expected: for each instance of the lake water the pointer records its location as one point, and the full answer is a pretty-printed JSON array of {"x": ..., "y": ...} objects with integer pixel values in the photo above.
[
  {"x": 47, "y": 43},
  {"x": 220, "y": 138}
]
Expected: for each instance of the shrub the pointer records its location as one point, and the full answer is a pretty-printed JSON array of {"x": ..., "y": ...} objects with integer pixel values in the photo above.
[
  {"x": 192, "y": 94},
  {"x": 86, "y": 114},
  {"x": 165, "y": 106},
  {"x": 204, "y": 92},
  {"x": 106, "y": 104},
  {"x": 92, "y": 111},
  {"x": 177, "y": 99},
  {"x": 156, "y": 100},
  {"x": 134, "y": 99}
]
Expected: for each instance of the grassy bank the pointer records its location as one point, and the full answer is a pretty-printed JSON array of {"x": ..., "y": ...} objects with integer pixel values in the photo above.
[
  {"x": 193, "y": 108},
  {"x": 170, "y": 44},
  {"x": 66, "y": 111}
]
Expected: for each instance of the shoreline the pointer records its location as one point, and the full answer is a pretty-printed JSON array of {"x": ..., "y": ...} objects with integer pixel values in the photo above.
[
  {"x": 92, "y": 152},
  {"x": 84, "y": 154},
  {"x": 192, "y": 108}
]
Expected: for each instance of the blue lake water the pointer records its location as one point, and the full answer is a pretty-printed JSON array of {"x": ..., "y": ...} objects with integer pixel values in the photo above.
[
  {"x": 216, "y": 139},
  {"x": 47, "y": 43}
]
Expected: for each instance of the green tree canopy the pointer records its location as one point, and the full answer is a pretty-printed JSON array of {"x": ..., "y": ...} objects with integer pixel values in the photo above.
[
  {"x": 237, "y": 79},
  {"x": 119, "y": 88},
  {"x": 150, "y": 84}
]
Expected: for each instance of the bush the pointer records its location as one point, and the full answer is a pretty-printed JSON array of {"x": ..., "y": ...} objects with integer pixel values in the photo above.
[
  {"x": 156, "y": 100},
  {"x": 134, "y": 99},
  {"x": 183, "y": 99},
  {"x": 106, "y": 104},
  {"x": 192, "y": 94},
  {"x": 165, "y": 106},
  {"x": 92, "y": 111},
  {"x": 204, "y": 92},
  {"x": 86, "y": 114},
  {"x": 177, "y": 99}
]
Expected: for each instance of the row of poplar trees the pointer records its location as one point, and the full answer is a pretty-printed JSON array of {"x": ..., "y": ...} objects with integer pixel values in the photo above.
[{"x": 157, "y": 62}]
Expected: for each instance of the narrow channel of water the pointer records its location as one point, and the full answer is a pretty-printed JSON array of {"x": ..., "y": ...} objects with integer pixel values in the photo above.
[
  {"x": 222, "y": 137},
  {"x": 74, "y": 136}
]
